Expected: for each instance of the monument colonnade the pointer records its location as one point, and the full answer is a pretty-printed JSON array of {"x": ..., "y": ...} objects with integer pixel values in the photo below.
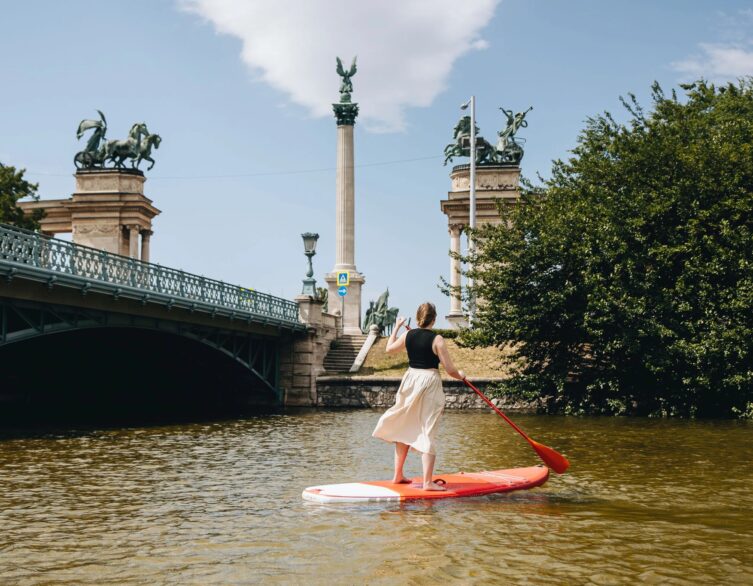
[
  {"x": 108, "y": 211},
  {"x": 494, "y": 183}
]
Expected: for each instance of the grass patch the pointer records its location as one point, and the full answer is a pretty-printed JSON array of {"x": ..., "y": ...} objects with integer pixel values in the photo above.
[{"x": 490, "y": 362}]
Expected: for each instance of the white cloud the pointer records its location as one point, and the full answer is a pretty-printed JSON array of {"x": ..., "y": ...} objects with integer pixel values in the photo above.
[
  {"x": 406, "y": 48},
  {"x": 730, "y": 57},
  {"x": 718, "y": 62}
]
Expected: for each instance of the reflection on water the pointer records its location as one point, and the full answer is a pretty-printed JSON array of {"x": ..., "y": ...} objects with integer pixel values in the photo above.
[{"x": 218, "y": 503}]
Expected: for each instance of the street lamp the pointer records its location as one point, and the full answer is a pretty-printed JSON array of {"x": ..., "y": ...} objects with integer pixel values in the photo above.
[
  {"x": 472, "y": 202},
  {"x": 309, "y": 249}
]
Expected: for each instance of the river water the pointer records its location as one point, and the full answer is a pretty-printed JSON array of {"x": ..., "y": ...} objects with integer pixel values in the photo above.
[{"x": 648, "y": 501}]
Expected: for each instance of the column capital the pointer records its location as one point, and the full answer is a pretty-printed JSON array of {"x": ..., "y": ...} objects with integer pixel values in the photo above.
[
  {"x": 456, "y": 228},
  {"x": 146, "y": 233},
  {"x": 345, "y": 113}
]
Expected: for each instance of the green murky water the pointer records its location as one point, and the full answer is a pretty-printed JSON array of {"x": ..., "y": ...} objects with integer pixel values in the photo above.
[{"x": 646, "y": 501}]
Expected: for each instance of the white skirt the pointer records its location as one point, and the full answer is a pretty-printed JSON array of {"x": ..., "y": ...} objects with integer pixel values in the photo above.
[{"x": 414, "y": 418}]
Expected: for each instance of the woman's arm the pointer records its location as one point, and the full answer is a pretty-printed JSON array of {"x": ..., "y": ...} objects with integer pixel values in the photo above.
[
  {"x": 395, "y": 344},
  {"x": 440, "y": 347}
]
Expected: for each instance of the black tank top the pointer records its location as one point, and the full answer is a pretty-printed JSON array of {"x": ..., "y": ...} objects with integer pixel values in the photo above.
[{"x": 418, "y": 342}]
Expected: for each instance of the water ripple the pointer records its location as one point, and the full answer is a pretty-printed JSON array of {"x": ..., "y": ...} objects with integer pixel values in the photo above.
[{"x": 216, "y": 503}]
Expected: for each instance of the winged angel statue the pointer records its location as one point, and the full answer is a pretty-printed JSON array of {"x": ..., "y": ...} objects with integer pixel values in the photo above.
[{"x": 346, "y": 87}]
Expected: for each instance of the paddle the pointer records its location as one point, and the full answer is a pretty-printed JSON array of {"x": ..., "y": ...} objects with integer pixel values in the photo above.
[{"x": 551, "y": 458}]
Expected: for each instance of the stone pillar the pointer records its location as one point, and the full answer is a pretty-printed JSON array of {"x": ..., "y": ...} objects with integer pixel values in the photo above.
[
  {"x": 123, "y": 243},
  {"x": 133, "y": 248},
  {"x": 310, "y": 310},
  {"x": 350, "y": 307},
  {"x": 145, "y": 236},
  {"x": 345, "y": 201},
  {"x": 456, "y": 314}
]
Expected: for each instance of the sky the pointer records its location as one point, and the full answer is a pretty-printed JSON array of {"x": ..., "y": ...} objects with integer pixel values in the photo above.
[{"x": 241, "y": 93}]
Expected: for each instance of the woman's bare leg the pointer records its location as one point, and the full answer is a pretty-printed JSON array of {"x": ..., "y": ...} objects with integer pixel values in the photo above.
[
  {"x": 401, "y": 452},
  {"x": 428, "y": 461}
]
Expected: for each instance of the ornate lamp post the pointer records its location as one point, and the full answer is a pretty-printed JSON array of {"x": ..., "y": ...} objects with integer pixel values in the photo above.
[
  {"x": 472, "y": 190},
  {"x": 309, "y": 249}
]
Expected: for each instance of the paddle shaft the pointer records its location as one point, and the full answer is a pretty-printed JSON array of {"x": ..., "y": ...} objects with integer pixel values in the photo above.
[{"x": 497, "y": 411}]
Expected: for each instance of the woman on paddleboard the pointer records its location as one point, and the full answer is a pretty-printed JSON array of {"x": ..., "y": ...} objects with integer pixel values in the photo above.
[{"x": 413, "y": 420}]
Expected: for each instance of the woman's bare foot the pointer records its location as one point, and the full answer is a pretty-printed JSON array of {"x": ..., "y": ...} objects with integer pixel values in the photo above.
[
  {"x": 433, "y": 486},
  {"x": 402, "y": 480}
]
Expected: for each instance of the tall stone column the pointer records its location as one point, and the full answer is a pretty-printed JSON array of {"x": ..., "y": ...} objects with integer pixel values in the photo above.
[
  {"x": 133, "y": 239},
  {"x": 456, "y": 314},
  {"x": 145, "y": 237},
  {"x": 345, "y": 204},
  {"x": 350, "y": 306}
]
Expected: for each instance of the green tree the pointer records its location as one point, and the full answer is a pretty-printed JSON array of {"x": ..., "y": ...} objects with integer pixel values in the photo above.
[
  {"x": 13, "y": 187},
  {"x": 626, "y": 279}
]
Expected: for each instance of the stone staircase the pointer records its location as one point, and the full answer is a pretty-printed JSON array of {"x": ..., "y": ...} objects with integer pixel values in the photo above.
[{"x": 343, "y": 353}]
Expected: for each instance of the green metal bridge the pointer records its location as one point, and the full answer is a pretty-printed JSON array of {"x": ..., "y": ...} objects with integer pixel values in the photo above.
[{"x": 50, "y": 286}]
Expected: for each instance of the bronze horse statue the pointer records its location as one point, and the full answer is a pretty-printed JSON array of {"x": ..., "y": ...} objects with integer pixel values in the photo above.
[
  {"x": 137, "y": 147},
  {"x": 462, "y": 141},
  {"x": 118, "y": 151},
  {"x": 145, "y": 149}
]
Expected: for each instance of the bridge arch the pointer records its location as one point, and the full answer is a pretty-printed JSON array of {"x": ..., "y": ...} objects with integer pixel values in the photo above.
[
  {"x": 52, "y": 290},
  {"x": 105, "y": 367},
  {"x": 20, "y": 321}
]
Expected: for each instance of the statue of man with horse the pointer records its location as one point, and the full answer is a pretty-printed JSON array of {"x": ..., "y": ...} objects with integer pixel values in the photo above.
[
  {"x": 508, "y": 150},
  {"x": 461, "y": 147},
  {"x": 98, "y": 152},
  {"x": 380, "y": 314}
]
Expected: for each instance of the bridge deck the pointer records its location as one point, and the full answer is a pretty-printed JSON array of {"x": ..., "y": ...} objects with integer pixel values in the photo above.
[{"x": 32, "y": 256}]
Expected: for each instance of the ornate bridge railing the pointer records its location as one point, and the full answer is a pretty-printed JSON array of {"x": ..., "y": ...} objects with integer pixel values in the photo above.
[{"x": 42, "y": 258}]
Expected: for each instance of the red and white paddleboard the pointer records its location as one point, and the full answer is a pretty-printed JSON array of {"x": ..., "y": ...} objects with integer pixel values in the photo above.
[{"x": 461, "y": 484}]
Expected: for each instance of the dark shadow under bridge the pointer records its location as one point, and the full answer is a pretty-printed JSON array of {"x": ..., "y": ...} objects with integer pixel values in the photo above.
[{"x": 85, "y": 334}]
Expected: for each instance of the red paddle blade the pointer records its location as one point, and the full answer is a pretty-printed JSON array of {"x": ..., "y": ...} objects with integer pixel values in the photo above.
[{"x": 551, "y": 458}]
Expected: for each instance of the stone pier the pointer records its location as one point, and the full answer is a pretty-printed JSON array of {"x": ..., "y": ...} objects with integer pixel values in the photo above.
[{"x": 302, "y": 355}]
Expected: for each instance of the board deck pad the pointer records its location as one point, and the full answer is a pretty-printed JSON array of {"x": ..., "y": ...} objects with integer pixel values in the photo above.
[{"x": 460, "y": 484}]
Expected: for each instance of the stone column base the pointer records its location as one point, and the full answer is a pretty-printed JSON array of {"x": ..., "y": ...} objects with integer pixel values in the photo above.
[
  {"x": 351, "y": 304},
  {"x": 457, "y": 321}
]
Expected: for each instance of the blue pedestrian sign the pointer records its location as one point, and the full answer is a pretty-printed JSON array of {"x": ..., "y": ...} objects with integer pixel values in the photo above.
[
  {"x": 342, "y": 291},
  {"x": 343, "y": 278}
]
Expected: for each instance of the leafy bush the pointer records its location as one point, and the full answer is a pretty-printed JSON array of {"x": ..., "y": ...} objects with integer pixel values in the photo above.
[
  {"x": 445, "y": 333},
  {"x": 626, "y": 279}
]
